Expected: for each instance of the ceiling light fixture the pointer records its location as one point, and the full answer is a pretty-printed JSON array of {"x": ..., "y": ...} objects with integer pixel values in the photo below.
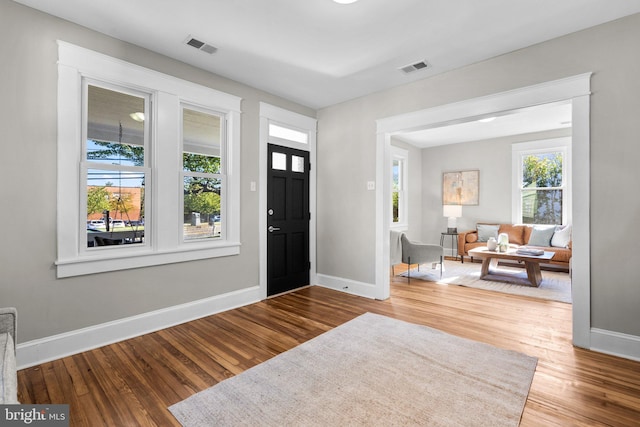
[
  {"x": 345, "y": 1},
  {"x": 137, "y": 116},
  {"x": 487, "y": 120}
]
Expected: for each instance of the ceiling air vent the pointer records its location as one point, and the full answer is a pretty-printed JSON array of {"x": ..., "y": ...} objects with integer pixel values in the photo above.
[
  {"x": 200, "y": 45},
  {"x": 414, "y": 67}
]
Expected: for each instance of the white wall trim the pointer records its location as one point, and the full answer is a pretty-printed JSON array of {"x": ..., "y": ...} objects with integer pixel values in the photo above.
[
  {"x": 615, "y": 343},
  {"x": 73, "y": 257},
  {"x": 367, "y": 290},
  {"x": 543, "y": 93},
  {"x": 575, "y": 88},
  {"x": 43, "y": 350}
]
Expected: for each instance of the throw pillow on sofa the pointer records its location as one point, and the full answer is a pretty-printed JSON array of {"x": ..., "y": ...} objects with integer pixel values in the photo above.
[
  {"x": 541, "y": 235},
  {"x": 561, "y": 237},
  {"x": 472, "y": 237},
  {"x": 515, "y": 233},
  {"x": 485, "y": 231}
]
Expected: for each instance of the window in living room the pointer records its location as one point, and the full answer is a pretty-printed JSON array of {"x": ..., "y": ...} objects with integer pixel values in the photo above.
[
  {"x": 542, "y": 182},
  {"x": 399, "y": 184},
  {"x": 142, "y": 157}
]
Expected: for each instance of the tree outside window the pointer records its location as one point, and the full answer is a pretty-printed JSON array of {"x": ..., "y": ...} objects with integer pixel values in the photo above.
[
  {"x": 399, "y": 183},
  {"x": 114, "y": 164},
  {"x": 203, "y": 174},
  {"x": 542, "y": 188}
]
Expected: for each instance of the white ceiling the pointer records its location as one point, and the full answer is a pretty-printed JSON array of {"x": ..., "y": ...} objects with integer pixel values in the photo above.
[
  {"x": 526, "y": 120},
  {"x": 319, "y": 53}
]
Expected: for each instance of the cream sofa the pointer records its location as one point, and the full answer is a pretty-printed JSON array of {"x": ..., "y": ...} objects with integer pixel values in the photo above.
[
  {"x": 8, "y": 373},
  {"x": 521, "y": 235}
]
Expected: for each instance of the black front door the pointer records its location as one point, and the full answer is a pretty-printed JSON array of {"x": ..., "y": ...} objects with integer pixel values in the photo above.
[{"x": 287, "y": 219}]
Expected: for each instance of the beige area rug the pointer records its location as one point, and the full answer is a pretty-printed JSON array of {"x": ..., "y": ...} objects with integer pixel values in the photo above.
[
  {"x": 555, "y": 285},
  {"x": 373, "y": 370}
]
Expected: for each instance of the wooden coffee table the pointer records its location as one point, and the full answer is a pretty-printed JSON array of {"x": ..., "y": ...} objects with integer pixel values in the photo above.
[{"x": 533, "y": 276}]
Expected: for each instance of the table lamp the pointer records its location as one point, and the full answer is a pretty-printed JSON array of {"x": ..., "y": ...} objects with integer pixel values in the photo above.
[{"x": 452, "y": 212}]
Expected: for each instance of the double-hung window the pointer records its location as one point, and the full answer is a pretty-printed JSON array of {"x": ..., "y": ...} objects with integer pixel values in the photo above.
[
  {"x": 542, "y": 182},
  {"x": 114, "y": 165},
  {"x": 203, "y": 174},
  {"x": 399, "y": 184},
  {"x": 148, "y": 167}
]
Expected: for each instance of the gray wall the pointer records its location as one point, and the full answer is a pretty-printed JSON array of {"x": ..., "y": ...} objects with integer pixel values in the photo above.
[
  {"x": 28, "y": 83},
  {"x": 347, "y": 145}
]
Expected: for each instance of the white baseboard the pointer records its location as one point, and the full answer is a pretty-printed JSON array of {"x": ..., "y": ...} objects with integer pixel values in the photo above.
[
  {"x": 362, "y": 289},
  {"x": 66, "y": 344},
  {"x": 615, "y": 343}
]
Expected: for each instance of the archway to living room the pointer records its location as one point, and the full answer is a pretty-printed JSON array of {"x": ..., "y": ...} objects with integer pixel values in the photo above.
[
  {"x": 492, "y": 156},
  {"x": 573, "y": 90}
]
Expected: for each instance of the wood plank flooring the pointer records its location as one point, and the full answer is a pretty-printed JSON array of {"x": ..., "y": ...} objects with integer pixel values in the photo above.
[{"x": 132, "y": 383}]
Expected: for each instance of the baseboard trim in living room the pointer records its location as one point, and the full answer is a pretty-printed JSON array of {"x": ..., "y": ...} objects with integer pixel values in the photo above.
[
  {"x": 615, "y": 343},
  {"x": 367, "y": 290},
  {"x": 46, "y": 349}
]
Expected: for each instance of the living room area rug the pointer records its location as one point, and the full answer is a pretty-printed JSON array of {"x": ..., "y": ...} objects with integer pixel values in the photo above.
[
  {"x": 555, "y": 286},
  {"x": 372, "y": 370}
]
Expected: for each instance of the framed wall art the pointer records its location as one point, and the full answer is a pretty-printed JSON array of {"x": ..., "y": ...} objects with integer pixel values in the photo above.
[{"x": 461, "y": 188}]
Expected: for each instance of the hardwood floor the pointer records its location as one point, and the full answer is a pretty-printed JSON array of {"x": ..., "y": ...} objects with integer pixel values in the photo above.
[{"x": 133, "y": 382}]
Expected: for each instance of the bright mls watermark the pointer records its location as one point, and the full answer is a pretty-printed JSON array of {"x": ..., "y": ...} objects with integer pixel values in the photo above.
[{"x": 34, "y": 415}]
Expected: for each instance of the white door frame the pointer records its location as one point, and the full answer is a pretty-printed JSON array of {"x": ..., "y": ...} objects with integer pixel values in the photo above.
[
  {"x": 272, "y": 114},
  {"x": 577, "y": 90}
]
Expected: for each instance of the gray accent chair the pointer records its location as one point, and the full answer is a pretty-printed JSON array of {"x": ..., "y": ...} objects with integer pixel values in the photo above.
[
  {"x": 421, "y": 253},
  {"x": 395, "y": 246}
]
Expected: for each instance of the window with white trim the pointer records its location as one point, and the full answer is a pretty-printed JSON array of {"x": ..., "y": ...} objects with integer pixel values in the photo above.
[
  {"x": 148, "y": 167},
  {"x": 399, "y": 187},
  {"x": 542, "y": 182},
  {"x": 203, "y": 174},
  {"x": 114, "y": 165}
]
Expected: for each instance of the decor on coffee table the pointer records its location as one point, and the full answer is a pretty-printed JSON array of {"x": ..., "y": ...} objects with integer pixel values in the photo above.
[
  {"x": 492, "y": 244},
  {"x": 503, "y": 242},
  {"x": 531, "y": 263}
]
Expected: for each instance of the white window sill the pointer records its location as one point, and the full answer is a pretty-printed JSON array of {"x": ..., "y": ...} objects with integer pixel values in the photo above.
[
  {"x": 399, "y": 227},
  {"x": 115, "y": 261}
]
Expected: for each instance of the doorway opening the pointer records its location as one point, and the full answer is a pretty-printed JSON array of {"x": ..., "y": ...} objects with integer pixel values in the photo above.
[
  {"x": 575, "y": 90},
  {"x": 294, "y": 135}
]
